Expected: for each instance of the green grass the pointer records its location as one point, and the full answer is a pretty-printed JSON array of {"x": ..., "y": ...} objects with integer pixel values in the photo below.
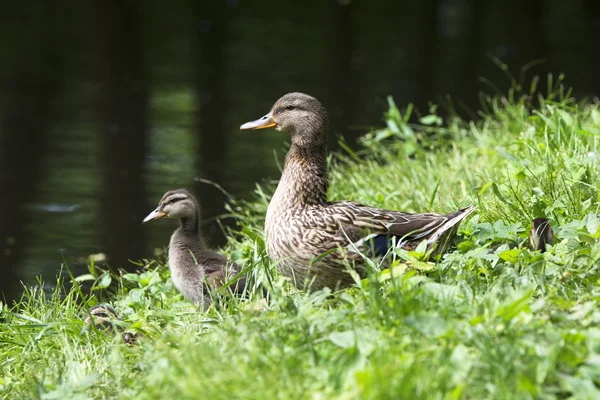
[{"x": 489, "y": 320}]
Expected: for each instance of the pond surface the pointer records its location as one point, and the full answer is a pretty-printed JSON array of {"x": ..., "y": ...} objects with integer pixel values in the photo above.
[{"x": 105, "y": 105}]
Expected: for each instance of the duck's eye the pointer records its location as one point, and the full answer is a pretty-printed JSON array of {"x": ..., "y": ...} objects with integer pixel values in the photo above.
[{"x": 290, "y": 107}]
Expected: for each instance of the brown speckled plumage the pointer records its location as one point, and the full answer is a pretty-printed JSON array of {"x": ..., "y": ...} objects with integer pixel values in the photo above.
[
  {"x": 540, "y": 234},
  {"x": 301, "y": 225},
  {"x": 105, "y": 318}
]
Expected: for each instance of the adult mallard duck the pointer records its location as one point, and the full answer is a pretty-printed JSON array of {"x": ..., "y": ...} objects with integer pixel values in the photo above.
[
  {"x": 195, "y": 269},
  {"x": 304, "y": 230}
]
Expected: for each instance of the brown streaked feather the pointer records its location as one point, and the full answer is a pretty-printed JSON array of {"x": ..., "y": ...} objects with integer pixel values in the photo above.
[{"x": 381, "y": 221}]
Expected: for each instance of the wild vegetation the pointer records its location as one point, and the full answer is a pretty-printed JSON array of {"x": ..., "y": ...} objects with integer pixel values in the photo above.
[{"x": 491, "y": 319}]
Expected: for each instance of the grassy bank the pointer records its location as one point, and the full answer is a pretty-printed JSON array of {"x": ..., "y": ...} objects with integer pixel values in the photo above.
[{"x": 489, "y": 320}]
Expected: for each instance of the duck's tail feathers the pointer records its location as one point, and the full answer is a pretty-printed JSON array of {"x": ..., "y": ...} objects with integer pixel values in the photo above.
[
  {"x": 380, "y": 244},
  {"x": 452, "y": 223}
]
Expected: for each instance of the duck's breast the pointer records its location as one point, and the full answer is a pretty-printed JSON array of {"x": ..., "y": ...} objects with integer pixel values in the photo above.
[{"x": 186, "y": 275}]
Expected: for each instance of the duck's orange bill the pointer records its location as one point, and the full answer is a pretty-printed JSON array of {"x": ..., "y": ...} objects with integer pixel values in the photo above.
[
  {"x": 261, "y": 123},
  {"x": 156, "y": 214}
]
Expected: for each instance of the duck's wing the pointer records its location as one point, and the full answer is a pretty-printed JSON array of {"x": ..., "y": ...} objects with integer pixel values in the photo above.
[
  {"x": 218, "y": 279},
  {"x": 219, "y": 270},
  {"x": 404, "y": 226}
]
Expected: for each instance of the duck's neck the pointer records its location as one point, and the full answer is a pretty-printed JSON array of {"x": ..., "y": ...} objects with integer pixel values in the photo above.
[
  {"x": 304, "y": 179},
  {"x": 188, "y": 233}
]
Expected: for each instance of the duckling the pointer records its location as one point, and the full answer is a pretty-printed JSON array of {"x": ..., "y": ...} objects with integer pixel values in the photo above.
[
  {"x": 105, "y": 318},
  {"x": 304, "y": 229},
  {"x": 540, "y": 234},
  {"x": 195, "y": 269}
]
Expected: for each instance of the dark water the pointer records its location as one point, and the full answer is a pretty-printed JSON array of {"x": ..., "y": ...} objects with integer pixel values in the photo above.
[{"x": 104, "y": 105}]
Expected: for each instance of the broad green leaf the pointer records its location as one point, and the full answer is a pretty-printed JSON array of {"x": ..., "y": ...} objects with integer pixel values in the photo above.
[
  {"x": 393, "y": 272},
  {"x": 511, "y": 255},
  {"x": 103, "y": 282},
  {"x": 343, "y": 339}
]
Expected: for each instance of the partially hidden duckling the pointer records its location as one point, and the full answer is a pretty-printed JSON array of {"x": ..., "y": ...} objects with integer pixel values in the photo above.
[
  {"x": 105, "y": 318},
  {"x": 195, "y": 269},
  {"x": 540, "y": 234}
]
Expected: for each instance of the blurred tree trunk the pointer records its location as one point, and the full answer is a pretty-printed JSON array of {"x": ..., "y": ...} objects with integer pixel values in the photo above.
[
  {"x": 30, "y": 89},
  {"x": 122, "y": 111},
  {"x": 593, "y": 24},
  {"x": 515, "y": 45},
  {"x": 342, "y": 107},
  {"x": 472, "y": 62},
  {"x": 23, "y": 143},
  {"x": 211, "y": 26},
  {"x": 536, "y": 51},
  {"x": 427, "y": 45}
]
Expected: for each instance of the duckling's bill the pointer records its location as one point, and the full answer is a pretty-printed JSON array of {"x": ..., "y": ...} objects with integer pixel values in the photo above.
[
  {"x": 156, "y": 214},
  {"x": 265, "y": 122}
]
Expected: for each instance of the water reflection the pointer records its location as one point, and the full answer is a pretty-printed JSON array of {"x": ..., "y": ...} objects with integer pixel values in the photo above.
[{"x": 105, "y": 105}]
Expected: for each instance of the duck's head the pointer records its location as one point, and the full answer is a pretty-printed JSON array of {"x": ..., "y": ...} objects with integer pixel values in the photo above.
[
  {"x": 179, "y": 204},
  {"x": 104, "y": 317},
  {"x": 101, "y": 314},
  {"x": 541, "y": 234},
  {"x": 300, "y": 115}
]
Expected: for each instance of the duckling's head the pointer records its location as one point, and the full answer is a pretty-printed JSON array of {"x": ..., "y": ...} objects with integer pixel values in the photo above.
[
  {"x": 101, "y": 314},
  {"x": 541, "y": 234},
  {"x": 179, "y": 204},
  {"x": 104, "y": 317},
  {"x": 300, "y": 115}
]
